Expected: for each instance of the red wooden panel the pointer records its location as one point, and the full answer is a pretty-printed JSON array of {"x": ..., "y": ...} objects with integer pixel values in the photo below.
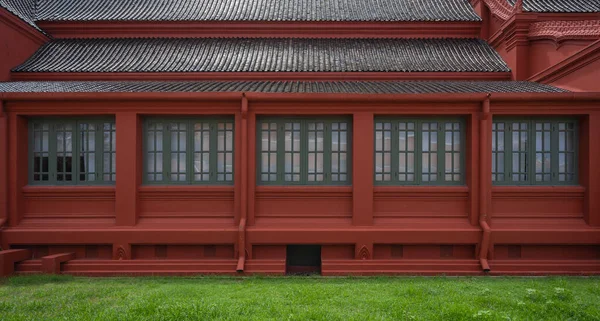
[
  {"x": 547, "y": 252},
  {"x": 187, "y": 202},
  {"x": 267, "y": 252},
  {"x": 307, "y": 202},
  {"x": 421, "y": 202},
  {"x": 337, "y": 252},
  {"x": 69, "y": 202},
  {"x": 537, "y": 202}
]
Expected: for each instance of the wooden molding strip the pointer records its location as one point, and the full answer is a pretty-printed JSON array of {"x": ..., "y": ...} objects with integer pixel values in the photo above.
[
  {"x": 130, "y": 29},
  {"x": 304, "y": 76}
]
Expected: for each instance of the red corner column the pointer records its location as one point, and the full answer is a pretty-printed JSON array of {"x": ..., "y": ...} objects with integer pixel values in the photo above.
[
  {"x": 129, "y": 169},
  {"x": 362, "y": 168},
  {"x": 17, "y": 173},
  {"x": 592, "y": 201},
  {"x": 3, "y": 166}
]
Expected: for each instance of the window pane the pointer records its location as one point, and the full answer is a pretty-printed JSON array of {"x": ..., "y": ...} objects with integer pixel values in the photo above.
[
  {"x": 429, "y": 143},
  {"x": 542, "y": 152},
  {"x": 452, "y": 153},
  {"x": 316, "y": 135},
  {"x": 154, "y": 153},
  {"x": 64, "y": 152},
  {"x": 41, "y": 133},
  {"x": 201, "y": 152},
  {"x": 225, "y": 152},
  {"x": 178, "y": 134},
  {"x": 406, "y": 152},
  {"x": 520, "y": 145},
  {"x": 383, "y": 151},
  {"x": 109, "y": 141},
  {"x": 87, "y": 152},
  {"x": 566, "y": 152},
  {"x": 269, "y": 152},
  {"x": 339, "y": 145}
]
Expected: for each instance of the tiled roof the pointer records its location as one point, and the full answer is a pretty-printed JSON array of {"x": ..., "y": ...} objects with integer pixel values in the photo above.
[
  {"x": 362, "y": 87},
  {"x": 560, "y": 5},
  {"x": 24, "y": 9},
  {"x": 257, "y": 10},
  {"x": 264, "y": 55}
]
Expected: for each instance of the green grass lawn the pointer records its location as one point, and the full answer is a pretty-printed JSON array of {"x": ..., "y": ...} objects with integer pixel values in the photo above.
[{"x": 305, "y": 298}]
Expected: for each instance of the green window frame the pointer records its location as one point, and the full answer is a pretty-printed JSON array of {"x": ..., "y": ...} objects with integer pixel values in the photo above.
[
  {"x": 189, "y": 151},
  {"x": 54, "y": 144},
  {"x": 552, "y": 144},
  {"x": 304, "y": 151},
  {"x": 407, "y": 151}
]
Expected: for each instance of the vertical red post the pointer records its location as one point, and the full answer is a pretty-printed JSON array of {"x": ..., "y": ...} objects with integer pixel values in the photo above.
[
  {"x": 362, "y": 168},
  {"x": 17, "y": 173},
  {"x": 251, "y": 161},
  {"x": 3, "y": 165},
  {"x": 473, "y": 171},
  {"x": 129, "y": 169},
  {"x": 592, "y": 201}
]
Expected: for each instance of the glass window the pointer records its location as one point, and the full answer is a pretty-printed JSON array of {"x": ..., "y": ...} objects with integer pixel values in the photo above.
[
  {"x": 188, "y": 151},
  {"x": 72, "y": 151},
  {"x": 534, "y": 151},
  {"x": 303, "y": 151},
  {"x": 408, "y": 151}
]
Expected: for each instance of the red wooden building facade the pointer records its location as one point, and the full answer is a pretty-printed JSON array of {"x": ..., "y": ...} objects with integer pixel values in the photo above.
[{"x": 353, "y": 137}]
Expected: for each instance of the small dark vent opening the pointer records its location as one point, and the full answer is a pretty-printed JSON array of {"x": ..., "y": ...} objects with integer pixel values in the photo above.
[
  {"x": 514, "y": 251},
  {"x": 303, "y": 259}
]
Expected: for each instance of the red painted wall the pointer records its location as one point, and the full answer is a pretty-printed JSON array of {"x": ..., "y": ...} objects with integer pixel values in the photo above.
[
  {"x": 547, "y": 53},
  {"x": 15, "y": 45},
  {"x": 582, "y": 80}
]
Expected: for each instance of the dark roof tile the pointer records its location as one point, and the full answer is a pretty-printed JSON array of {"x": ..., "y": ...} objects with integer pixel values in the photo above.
[
  {"x": 573, "y": 6},
  {"x": 361, "y": 87},
  {"x": 24, "y": 9},
  {"x": 257, "y": 10},
  {"x": 264, "y": 55}
]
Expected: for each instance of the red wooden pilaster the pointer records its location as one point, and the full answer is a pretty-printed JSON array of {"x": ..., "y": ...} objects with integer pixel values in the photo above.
[
  {"x": 129, "y": 169},
  {"x": 251, "y": 163},
  {"x": 3, "y": 165},
  {"x": 362, "y": 168},
  {"x": 592, "y": 199},
  {"x": 17, "y": 160},
  {"x": 473, "y": 164}
]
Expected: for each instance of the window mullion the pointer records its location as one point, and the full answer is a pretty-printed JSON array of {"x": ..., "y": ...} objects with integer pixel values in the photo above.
[
  {"x": 77, "y": 143},
  {"x": 213, "y": 153},
  {"x": 189, "y": 152},
  {"x": 531, "y": 166},
  {"x": 99, "y": 153},
  {"x": 507, "y": 153},
  {"x": 394, "y": 160},
  {"x": 418, "y": 152},
  {"x": 31, "y": 153},
  {"x": 280, "y": 152},
  {"x": 441, "y": 153},
  {"x": 304, "y": 152},
  {"x": 327, "y": 153},
  {"x": 52, "y": 153},
  {"x": 166, "y": 152}
]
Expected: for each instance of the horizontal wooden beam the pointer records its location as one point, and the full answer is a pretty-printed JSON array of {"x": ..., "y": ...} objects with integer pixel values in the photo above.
[
  {"x": 312, "y": 29},
  {"x": 259, "y": 76}
]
